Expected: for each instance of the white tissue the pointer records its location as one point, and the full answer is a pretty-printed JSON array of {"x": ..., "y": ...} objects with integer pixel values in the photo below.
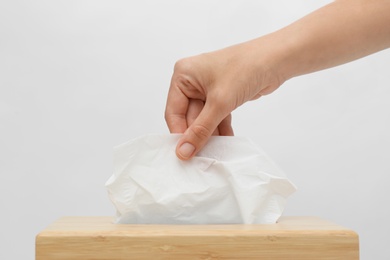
[{"x": 230, "y": 181}]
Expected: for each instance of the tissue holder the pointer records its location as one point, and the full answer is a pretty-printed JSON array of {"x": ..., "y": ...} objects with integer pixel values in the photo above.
[{"x": 292, "y": 238}]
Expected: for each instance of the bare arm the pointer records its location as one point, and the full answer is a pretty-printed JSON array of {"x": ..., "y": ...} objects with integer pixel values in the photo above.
[
  {"x": 340, "y": 32},
  {"x": 206, "y": 88}
]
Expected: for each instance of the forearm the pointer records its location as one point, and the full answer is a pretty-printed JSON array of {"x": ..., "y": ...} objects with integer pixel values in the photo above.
[
  {"x": 206, "y": 88},
  {"x": 340, "y": 32}
]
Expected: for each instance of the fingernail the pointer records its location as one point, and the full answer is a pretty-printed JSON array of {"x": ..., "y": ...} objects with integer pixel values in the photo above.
[{"x": 186, "y": 150}]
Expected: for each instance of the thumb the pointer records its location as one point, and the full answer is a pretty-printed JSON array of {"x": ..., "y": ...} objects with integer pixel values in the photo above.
[{"x": 199, "y": 132}]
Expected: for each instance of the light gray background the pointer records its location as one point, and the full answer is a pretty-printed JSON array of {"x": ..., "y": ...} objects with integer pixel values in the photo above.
[{"x": 78, "y": 77}]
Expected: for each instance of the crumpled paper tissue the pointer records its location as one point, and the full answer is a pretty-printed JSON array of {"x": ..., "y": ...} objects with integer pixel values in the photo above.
[{"x": 231, "y": 181}]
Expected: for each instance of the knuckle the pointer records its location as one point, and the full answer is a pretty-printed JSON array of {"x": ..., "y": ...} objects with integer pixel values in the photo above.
[
  {"x": 167, "y": 116},
  {"x": 182, "y": 73},
  {"x": 201, "y": 132},
  {"x": 183, "y": 65}
]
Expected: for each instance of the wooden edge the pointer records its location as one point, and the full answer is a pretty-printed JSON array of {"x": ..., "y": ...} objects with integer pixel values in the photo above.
[{"x": 75, "y": 238}]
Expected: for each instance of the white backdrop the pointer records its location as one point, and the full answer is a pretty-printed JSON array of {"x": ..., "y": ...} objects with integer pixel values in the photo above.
[{"x": 78, "y": 77}]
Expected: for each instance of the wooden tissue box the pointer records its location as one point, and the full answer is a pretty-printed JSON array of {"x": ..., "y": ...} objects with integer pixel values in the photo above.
[{"x": 298, "y": 238}]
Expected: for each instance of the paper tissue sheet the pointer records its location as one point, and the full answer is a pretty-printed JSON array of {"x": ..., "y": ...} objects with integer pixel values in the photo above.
[{"x": 231, "y": 181}]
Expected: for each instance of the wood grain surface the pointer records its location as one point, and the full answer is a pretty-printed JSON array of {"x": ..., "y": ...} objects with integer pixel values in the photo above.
[{"x": 98, "y": 238}]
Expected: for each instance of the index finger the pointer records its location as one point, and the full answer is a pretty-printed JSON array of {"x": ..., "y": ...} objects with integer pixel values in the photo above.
[{"x": 176, "y": 109}]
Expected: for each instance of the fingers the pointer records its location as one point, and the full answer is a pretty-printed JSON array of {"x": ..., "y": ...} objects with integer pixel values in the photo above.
[
  {"x": 225, "y": 127},
  {"x": 195, "y": 106},
  {"x": 197, "y": 134},
  {"x": 176, "y": 109},
  {"x": 184, "y": 88}
]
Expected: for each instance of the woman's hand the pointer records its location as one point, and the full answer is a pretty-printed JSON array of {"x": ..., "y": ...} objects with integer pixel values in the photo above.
[{"x": 205, "y": 89}]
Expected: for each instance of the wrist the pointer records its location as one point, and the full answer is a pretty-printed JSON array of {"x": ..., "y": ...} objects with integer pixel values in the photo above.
[{"x": 271, "y": 57}]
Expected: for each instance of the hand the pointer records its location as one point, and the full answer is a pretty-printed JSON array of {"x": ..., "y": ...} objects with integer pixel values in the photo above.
[{"x": 205, "y": 89}]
